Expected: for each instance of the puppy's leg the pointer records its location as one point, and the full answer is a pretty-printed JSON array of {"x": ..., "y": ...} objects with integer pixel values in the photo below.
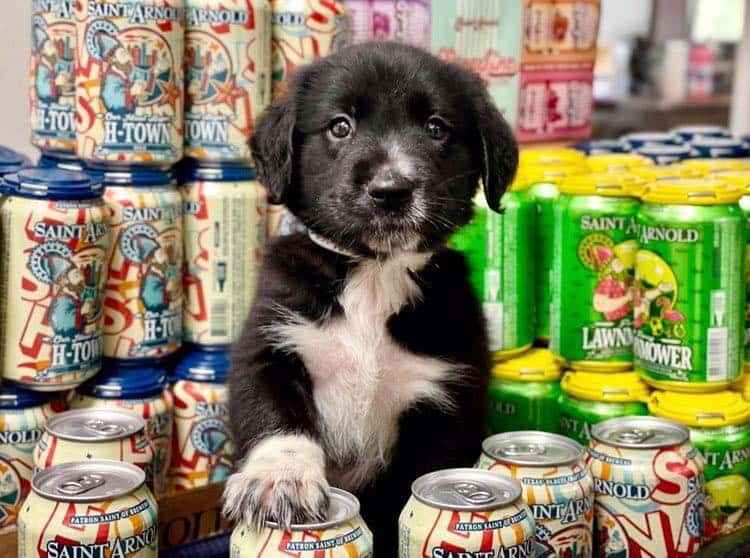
[{"x": 282, "y": 479}]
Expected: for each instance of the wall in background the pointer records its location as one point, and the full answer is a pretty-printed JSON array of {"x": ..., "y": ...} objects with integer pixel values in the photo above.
[{"x": 15, "y": 36}]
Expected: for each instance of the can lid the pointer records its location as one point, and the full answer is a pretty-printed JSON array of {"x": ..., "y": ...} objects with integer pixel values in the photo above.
[
  {"x": 701, "y": 409},
  {"x": 706, "y": 166},
  {"x": 535, "y": 365},
  {"x": 660, "y": 172},
  {"x": 598, "y": 147},
  {"x": 725, "y": 142},
  {"x": 132, "y": 177},
  {"x": 614, "y": 184},
  {"x": 638, "y": 139},
  {"x": 202, "y": 364},
  {"x": 343, "y": 507},
  {"x": 688, "y": 132},
  {"x": 466, "y": 490},
  {"x": 739, "y": 178},
  {"x": 550, "y": 156},
  {"x": 743, "y": 385},
  {"x": 616, "y": 387},
  {"x": 11, "y": 161},
  {"x": 60, "y": 160},
  {"x": 532, "y": 448},
  {"x": 13, "y": 396},
  {"x": 660, "y": 150},
  {"x": 617, "y": 162},
  {"x": 119, "y": 380},
  {"x": 196, "y": 170},
  {"x": 50, "y": 183},
  {"x": 640, "y": 432},
  {"x": 553, "y": 174},
  {"x": 94, "y": 425},
  {"x": 691, "y": 191},
  {"x": 88, "y": 481}
]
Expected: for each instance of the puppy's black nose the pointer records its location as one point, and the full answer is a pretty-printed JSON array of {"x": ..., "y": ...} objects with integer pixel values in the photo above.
[{"x": 390, "y": 189}]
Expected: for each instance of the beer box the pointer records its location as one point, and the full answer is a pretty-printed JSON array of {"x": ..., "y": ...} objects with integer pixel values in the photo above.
[
  {"x": 405, "y": 21},
  {"x": 484, "y": 36},
  {"x": 555, "y": 105}
]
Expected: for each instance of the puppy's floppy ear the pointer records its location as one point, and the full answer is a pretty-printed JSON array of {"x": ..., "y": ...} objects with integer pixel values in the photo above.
[
  {"x": 499, "y": 156},
  {"x": 273, "y": 146}
]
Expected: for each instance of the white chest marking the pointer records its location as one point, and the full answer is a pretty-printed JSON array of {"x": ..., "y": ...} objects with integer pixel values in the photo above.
[{"x": 362, "y": 379}]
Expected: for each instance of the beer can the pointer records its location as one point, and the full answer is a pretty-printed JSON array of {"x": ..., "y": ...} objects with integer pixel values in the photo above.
[
  {"x": 540, "y": 156},
  {"x": 637, "y": 140},
  {"x": 227, "y": 75},
  {"x": 62, "y": 161},
  {"x": 666, "y": 154},
  {"x": 203, "y": 450},
  {"x": 719, "y": 148},
  {"x": 690, "y": 285},
  {"x": 497, "y": 248},
  {"x": 708, "y": 166},
  {"x": 52, "y": 76},
  {"x": 557, "y": 487},
  {"x": 342, "y": 535},
  {"x": 23, "y": 414},
  {"x": 469, "y": 511},
  {"x": 84, "y": 434},
  {"x": 719, "y": 425},
  {"x": 143, "y": 306},
  {"x": 11, "y": 161},
  {"x": 646, "y": 473},
  {"x": 55, "y": 235},
  {"x": 600, "y": 147},
  {"x": 688, "y": 133},
  {"x": 589, "y": 398},
  {"x": 404, "y": 21},
  {"x": 741, "y": 180},
  {"x": 595, "y": 234},
  {"x": 524, "y": 393},
  {"x": 225, "y": 220},
  {"x": 129, "y": 82},
  {"x": 544, "y": 191},
  {"x": 616, "y": 162},
  {"x": 281, "y": 222},
  {"x": 302, "y": 32},
  {"x": 89, "y": 508},
  {"x": 139, "y": 390}
]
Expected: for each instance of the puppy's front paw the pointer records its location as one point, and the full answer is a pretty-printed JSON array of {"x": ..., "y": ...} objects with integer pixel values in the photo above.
[{"x": 282, "y": 480}]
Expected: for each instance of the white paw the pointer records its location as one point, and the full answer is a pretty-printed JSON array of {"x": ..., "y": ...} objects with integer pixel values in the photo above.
[{"x": 283, "y": 480}]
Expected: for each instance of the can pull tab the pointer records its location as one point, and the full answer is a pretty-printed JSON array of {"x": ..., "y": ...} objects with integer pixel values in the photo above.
[
  {"x": 103, "y": 428},
  {"x": 709, "y": 416},
  {"x": 82, "y": 484},
  {"x": 473, "y": 493},
  {"x": 633, "y": 436},
  {"x": 516, "y": 450}
]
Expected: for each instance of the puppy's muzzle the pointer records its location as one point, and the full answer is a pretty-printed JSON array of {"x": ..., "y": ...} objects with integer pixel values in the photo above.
[{"x": 389, "y": 189}]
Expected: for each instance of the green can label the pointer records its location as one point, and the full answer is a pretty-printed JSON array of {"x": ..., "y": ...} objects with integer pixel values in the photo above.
[
  {"x": 593, "y": 275},
  {"x": 577, "y": 416},
  {"x": 497, "y": 247},
  {"x": 523, "y": 406},
  {"x": 545, "y": 196},
  {"x": 689, "y": 293},
  {"x": 745, "y": 205}
]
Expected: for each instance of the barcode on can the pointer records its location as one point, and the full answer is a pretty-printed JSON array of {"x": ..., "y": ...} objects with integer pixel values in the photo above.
[
  {"x": 717, "y": 354},
  {"x": 219, "y": 323},
  {"x": 493, "y": 314}
]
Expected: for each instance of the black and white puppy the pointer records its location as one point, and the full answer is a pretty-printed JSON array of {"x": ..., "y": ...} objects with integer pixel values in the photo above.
[{"x": 364, "y": 362}]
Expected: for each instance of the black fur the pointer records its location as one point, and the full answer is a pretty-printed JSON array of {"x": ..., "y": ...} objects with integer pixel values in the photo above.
[{"x": 390, "y": 91}]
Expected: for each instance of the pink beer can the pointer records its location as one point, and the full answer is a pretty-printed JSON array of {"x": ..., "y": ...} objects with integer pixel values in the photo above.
[
  {"x": 129, "y": 81},
  {"x": 52, "y": 75},
  {"x": 303, "y": 31},
  {"x": 203, "y": 450},
  {"x": 227, "y": 74},
  {"x": 405, "y": 21}
]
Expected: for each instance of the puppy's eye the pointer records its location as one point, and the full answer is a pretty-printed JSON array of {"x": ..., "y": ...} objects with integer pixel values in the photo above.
[
  {"x": 340, "y": 127},
  {"x": 436, "y": 128}
]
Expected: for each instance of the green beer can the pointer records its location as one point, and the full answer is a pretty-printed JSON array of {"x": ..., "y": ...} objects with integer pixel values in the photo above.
[
  {"x": 544, "y": 190},
  {"x": 690, "y": 286},
  {"x": 741, "y": 179},
  {"x": 524, "y": 393},
  {"x": 589, "y": 398},
  {"x": 498, "y": 247},
  {"x": 719, "y": 426},
  {"x": 595, "y": 235}
]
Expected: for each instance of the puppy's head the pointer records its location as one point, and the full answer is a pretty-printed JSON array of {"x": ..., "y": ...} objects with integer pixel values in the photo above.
[{"x": 381, "y": 146}]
